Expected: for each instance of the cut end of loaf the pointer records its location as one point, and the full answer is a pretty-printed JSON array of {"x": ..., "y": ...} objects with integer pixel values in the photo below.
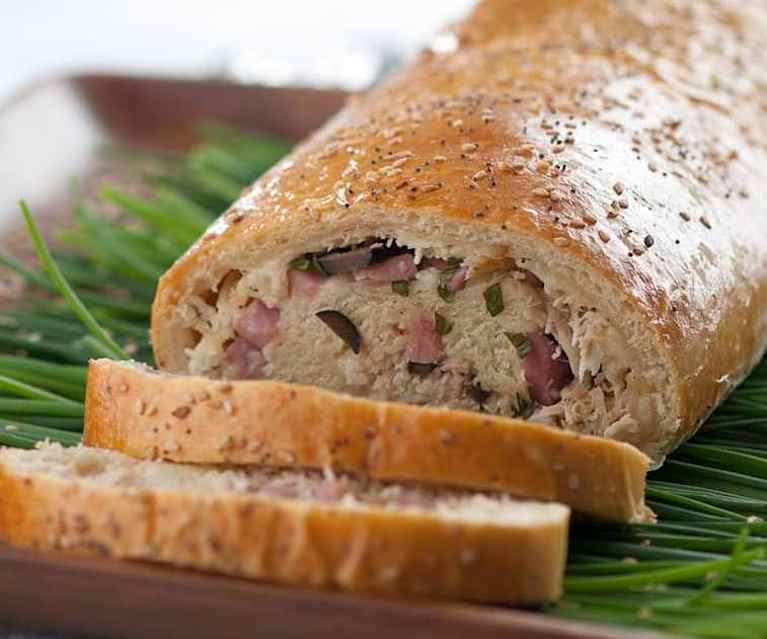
[{"x": 478, "y": 322}]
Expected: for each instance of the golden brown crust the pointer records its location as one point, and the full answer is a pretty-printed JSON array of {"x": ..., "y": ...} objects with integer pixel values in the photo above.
[
  {"x": 659, "y": 169},
  {"x": 372, "y": 549},
  {"x": 193, "y": 419}
]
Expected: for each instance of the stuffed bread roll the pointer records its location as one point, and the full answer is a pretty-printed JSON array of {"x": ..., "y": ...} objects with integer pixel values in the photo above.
[{"x": 555, "y": 215}]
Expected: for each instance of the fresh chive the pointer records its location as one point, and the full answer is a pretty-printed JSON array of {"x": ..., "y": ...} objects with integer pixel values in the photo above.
[
  {"x": 401, "y": 287},
  {"x": 40, "y": 407},
  {"x": 20, "y": 389},
  {"x": 494, "y": 299},
  {"x": 520, "y": 342},
  {"x": 442, "y": 324},
  {"x": 65, "y": 290}
]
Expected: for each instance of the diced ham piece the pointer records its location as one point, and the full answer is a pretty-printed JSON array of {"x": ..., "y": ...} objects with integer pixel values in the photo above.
[
  {"x": 304, "y": 283},
  {"x": 399, "y": 267},
  {"x": 246, "y": 359},
  {"x": 424, "y": 343},
  {"x": 258, "y": 323},
  {"x": 546, "y": 376},
  {"x": 458, "y": 280}
]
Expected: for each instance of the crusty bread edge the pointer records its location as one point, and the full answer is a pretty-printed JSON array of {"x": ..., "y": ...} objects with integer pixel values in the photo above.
[
  {"x": 134, "y": 410},
  {"x": 357, "y": 549}
]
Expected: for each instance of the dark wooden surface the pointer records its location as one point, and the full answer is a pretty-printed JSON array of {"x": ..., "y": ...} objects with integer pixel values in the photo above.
[
  {"x": 52, "y": 133},
  {"x": 98, "y": 597}
]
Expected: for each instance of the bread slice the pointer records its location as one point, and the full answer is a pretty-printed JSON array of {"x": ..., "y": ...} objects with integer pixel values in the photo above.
[
  {"x": 145, "y": 414},
  {"x": 302, "y": 528}
]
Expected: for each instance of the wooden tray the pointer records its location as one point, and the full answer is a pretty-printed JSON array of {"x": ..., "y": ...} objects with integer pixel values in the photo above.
[{"x": 51, "y": 134}]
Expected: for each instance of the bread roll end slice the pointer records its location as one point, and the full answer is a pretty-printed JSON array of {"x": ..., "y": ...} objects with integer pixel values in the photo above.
[
  {"x": 301, "y": 528},
  {"x": 184, "y": 418}
]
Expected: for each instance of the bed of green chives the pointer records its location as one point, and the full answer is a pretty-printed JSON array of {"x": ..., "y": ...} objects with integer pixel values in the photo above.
[{"x": 701, "y": 571}]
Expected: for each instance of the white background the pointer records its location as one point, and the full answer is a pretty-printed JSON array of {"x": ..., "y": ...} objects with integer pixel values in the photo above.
[{"x": 41, "y": 38}]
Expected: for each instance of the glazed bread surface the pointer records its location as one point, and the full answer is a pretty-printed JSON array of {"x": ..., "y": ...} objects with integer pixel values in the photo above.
[
  {"x": 184, "y": 418},
  {"x": 284, "y": 526},
  {"x": 555, "y": 214}
]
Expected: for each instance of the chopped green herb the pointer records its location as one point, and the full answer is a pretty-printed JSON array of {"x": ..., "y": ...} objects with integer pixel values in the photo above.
[
  {"x": 401, "y": 287},
  {"x": 494, "y": 299},
  {"x": 443, "y": 288},
  {"x": 442, "y": 324},
  {"x": 317, "y": 265},
  {"x": 521, "y": 343},
  {"x": 524, "y": 406},
  {"x": 302, "y": 263},
  {"x": 445, "y": 293}
]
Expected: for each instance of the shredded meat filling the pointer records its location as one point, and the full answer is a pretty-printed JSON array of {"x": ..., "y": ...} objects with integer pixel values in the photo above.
[{"x": 541, "y": 371}]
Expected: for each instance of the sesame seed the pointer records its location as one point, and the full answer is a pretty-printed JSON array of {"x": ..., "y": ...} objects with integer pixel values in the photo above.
[
  {"x": 468, "y": 147},
  {"x": 540, "y": 192},
  {"x": 517, "y": 163},
  {"x": 440, "y": 158},
  {"x": 556, "y": 196},
  {"x": 704, "y": 221},
  {"x": 623, "y": 203},
  {"x": 558, "y": 149},
  {"x": 479, "y": 175},
  {"x": 618, "y": 188},
  {"x": 588, "y": 218},
  {"x": 684, "y": 216},
  {"x": 603, "y": 236},
  {"x": 399, "y": 163}
]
